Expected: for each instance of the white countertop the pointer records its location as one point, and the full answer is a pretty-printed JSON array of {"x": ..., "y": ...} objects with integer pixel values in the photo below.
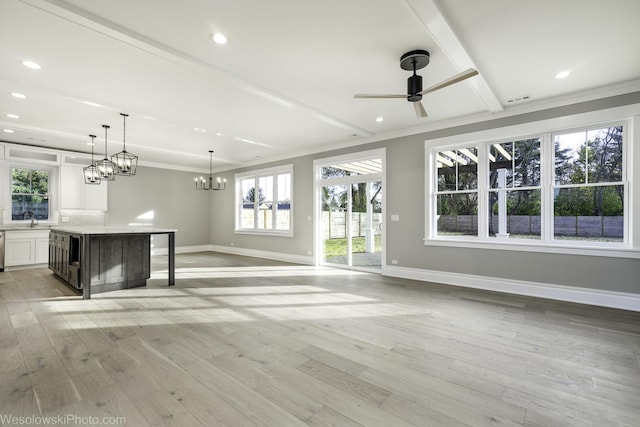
[{"x": 111, "y": 230}]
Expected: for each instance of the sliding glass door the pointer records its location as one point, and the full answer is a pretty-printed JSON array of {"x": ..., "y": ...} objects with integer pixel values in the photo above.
[{"x": 350, "y": 221}]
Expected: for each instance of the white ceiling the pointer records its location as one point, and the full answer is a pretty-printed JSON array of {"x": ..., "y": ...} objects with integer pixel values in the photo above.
[{"x": 284, "y": 83}]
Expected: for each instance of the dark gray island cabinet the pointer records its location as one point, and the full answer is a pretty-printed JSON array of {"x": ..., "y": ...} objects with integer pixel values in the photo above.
[{"x": 103, "y": 259}]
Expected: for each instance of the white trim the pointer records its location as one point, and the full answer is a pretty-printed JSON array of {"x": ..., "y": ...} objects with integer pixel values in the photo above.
[
  {"x": 569, "y": 248},
  {"x": 603, "y": 298},
  {"x": 270, "y": 232},
  {"x": 265, "y": 172},
  {"x": 276, "y": 256},
  {"x": 25, "y": 267}
]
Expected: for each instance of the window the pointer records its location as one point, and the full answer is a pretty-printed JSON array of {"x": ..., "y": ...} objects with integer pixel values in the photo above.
[
  {"x": 561, "y": 188},
  {"x": 29, "y": 194},
  {"x": 264, "y": 201},
  {"x": 457, "y": 191},
  {"x": 515, "y": 189},
  {"x": 589, "y": 188}
]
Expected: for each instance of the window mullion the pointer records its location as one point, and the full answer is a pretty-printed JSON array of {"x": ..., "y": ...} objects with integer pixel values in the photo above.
[
  {"x": 256, "y": 203},
  {"x": 483, "y": 193},
  {"x": 547, "y": 180},
  {"x": 274, "y": 202}
]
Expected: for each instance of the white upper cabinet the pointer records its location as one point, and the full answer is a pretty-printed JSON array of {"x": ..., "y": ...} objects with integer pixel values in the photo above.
[{"x": 75, "y": 194}]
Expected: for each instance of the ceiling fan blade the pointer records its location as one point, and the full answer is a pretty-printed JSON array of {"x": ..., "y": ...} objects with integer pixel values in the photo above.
[
  {"x": 371, "y": 95},
  {"x": 420, "y": 111},
  {"x": 451, "y": 80}
]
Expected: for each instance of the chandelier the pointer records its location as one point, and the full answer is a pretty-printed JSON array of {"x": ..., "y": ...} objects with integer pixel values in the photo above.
[
  {"x": 201, "y": 183},
  {"x": 91, "y": 174},
  {"x": 106, "y": 168},
  {"x": 122, "y": 163},
  {"x": 126, "y": 163}
]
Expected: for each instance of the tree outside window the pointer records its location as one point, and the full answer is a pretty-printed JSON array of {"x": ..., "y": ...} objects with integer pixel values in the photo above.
[
  {"x": 589, "y": 187},
  {"x": 586, "y": 182},
  {"x": 29, "y": 194}
]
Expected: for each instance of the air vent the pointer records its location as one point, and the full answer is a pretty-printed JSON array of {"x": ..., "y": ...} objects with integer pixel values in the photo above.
[{"x": 514, "y": 100}]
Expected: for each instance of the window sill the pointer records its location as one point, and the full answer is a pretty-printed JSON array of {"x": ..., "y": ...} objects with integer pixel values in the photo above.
[
  {"x": 265, "y": 233},
  {"x": 519, "y": 245}
]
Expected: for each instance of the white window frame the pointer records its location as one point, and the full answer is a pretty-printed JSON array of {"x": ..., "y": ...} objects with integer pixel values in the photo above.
[
  {"x": 256, "y": 175},
  {"x": 52, "y": 193},
  {"x": 545, "y": 130}
]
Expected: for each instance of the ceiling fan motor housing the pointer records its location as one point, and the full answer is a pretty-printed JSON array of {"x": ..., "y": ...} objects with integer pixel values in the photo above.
[
  {"x": 412, "y": 61},
  {"x": 414, "y": 87}
]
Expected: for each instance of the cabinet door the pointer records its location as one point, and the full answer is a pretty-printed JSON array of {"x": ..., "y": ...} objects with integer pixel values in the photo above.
[
  {"x": 71, "y": 187},
  {"x": 95, "y": 197},
  {"x": 75, "y": 194},
  {"x": 19, "y": 252},
  {"x": 42, "y": 250}
]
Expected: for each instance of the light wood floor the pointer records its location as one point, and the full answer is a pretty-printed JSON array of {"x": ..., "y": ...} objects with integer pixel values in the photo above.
[{"x": 243, "y": 342}]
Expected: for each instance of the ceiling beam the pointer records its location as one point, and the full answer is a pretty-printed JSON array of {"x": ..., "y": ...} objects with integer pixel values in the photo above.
[{"x": 440, "y": 30}]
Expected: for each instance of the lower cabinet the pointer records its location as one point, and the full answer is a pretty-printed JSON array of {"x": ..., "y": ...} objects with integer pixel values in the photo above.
[
  {"x": 59, "y": 254},
  {"x": 26, "y": 248}
]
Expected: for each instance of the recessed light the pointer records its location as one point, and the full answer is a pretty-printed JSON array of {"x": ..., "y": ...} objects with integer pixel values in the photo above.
[
  {"x": 200, "y": 130},
  {"x": 563, "y": 74},
  {"x": 13, "y": 116},
  {"x": 380, "y": 119},
  {"x": 90, "y": 144},
  {"x": 8, "y": 130},
  {"x": 32, "y": 65},
  {"x": 219, "y": 38},
  {"x": 18, "y": 95},
  {"x": 93, "y": 104}
]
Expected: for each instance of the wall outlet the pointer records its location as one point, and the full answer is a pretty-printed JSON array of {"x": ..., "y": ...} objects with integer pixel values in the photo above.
[
  {"x": 394, "y": 261},
  {"x": 65, "y": 219},
  {"x": 395, "y": 217},
  {"x": 231, "y": 244}
]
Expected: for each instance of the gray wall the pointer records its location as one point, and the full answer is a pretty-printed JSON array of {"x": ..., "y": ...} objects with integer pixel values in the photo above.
[
  {"x": 171, "y": 196},
  {"x": 222, "y": 213},
  {"x": 405, "y": 164}
]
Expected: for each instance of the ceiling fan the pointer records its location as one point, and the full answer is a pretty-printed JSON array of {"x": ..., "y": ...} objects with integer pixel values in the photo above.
[{"x": 413, "y": 61}]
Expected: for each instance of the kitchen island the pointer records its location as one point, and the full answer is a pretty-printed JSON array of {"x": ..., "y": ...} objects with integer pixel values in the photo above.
[{"x": 103, "y": 259}]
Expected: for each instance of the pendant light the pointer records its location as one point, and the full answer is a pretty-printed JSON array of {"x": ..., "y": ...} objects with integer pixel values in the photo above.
[
  {"x": 126, "y": 163},
  {"x": 106, "y": 168},
  {"x": 91, "y": 174},
  {"x": 201, "y": 183}
]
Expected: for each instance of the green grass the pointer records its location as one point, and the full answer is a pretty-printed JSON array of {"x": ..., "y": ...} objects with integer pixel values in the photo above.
[{"x": 338, "y": 247}]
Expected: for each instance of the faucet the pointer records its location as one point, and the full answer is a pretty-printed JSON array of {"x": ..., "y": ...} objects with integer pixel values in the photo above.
[{"x": 33, "y": 217}]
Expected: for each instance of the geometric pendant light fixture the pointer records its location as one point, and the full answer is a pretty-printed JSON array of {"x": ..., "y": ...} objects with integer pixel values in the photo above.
[
  {"x": 106, "y": 168},
  {"x": 125, "y": 162},
  {"x": 201, "y": 184},
  {"x": 91, "y": 174}
]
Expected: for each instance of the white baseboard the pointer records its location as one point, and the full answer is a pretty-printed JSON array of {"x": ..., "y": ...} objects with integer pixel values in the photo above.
[
  {"x": 25, "y": 267},
  {"x": 598, "y": 297},
  {"x": 276, "y": 256},
  {"x": 181, "y": 250},
  {"x": 603, "y": 298}
]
